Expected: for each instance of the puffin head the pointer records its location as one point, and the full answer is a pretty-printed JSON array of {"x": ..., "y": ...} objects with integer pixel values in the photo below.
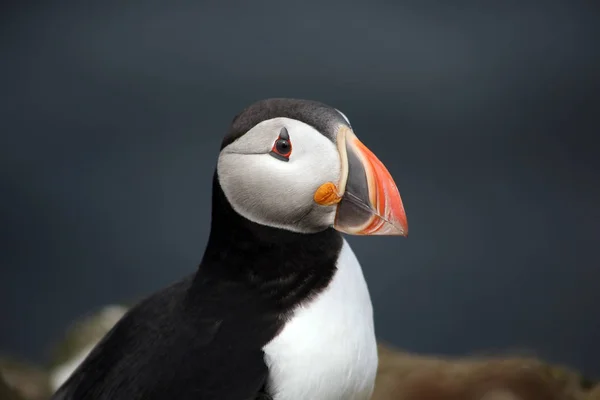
[{"x": 298, "y": 165}]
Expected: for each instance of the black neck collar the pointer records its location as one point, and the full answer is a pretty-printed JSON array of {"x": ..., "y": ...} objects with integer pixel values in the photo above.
[{"x": 243, "y": 251}]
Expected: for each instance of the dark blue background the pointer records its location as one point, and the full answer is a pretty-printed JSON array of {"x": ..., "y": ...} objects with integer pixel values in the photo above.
[{"x": 111, "y": 114}]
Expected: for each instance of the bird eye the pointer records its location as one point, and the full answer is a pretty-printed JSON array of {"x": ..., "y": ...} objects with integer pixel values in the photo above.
[{"x": 282, "y": 148}]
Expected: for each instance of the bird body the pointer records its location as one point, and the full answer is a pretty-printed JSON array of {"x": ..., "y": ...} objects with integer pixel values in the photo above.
[
  {"x": 327, "y": 349},
  {"x": 278, "y": 308}
]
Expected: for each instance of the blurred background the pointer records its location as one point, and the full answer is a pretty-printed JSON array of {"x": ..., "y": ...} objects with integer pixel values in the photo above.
[{"x": 112, "y": 112}]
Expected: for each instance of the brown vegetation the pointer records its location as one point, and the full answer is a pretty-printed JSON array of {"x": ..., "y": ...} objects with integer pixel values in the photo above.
[{"x": 405, "y": 376}]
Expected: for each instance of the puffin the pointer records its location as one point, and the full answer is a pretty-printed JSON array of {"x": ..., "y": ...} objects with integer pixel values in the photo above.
[{"x": 278, "y": 307}]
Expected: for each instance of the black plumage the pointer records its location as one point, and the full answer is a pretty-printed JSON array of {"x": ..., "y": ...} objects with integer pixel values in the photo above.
[{"x": 318, "y": 115}]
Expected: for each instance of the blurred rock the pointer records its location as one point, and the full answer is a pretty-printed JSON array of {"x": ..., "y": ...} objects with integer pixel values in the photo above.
[
  {"x": 21, "y": 380},
  {"x": 408, "y": 376},
  {"x": 80, "y": 338},
  {"x": 6, "y": 392}
]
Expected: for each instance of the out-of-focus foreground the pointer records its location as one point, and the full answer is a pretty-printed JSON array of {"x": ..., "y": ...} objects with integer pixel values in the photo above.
[
  {"x": 409, "y": 376},
  {"x": 401, "y": 376}
]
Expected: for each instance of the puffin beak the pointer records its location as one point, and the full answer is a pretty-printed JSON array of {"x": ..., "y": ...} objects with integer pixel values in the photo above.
[{"x": 368, "y": 201}]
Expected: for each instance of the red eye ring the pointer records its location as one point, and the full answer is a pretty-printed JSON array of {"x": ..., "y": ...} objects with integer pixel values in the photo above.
[{"x": 282, "y": 148}]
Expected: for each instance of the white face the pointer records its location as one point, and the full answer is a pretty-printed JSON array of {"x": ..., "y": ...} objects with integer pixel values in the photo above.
[{"x": 272, "y": 192}]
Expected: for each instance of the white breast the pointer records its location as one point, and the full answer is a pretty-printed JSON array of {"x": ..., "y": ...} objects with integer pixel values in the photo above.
[{"x": 327, "y": 351}]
